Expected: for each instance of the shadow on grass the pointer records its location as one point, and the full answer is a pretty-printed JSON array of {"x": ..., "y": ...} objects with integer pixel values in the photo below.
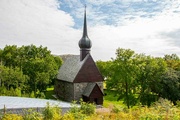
[{"x": 49, "y": 93}]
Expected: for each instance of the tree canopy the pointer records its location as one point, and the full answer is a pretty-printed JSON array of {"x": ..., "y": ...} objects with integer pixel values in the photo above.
[
  {"x": 29, "y": 67},
  {"x": 140, "y": 79}
]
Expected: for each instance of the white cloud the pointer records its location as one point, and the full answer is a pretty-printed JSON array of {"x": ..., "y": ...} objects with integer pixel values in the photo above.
[
  {"x": 40, "y": 22},
  {"x": 37, "y": 22},
  {"x": 144, "y": 35}
]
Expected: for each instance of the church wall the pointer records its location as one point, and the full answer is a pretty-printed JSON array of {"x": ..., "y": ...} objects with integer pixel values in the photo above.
[
  {"x": 78, "y": 90},
  {"x": 64, "y": 90}
]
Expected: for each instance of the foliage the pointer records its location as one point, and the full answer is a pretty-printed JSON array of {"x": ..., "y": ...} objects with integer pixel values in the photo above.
[
  {"x": 170, "y": 85},
  {"x": 31, "y": 114},
  {"x": 122, "y": 77},
  {"x": 160, "y": 110},
  {"x": 138, "y": 79},
  {"x": 29, "y": 68},
  {"x": 49, "y": 92},
  {"x": 87, "y": 108},
  {"x": 149, "y": 78},
  {"x": 81, "y": 112},
  {"x": 74, "y": 107},
  {"x": 51, "y": 113},
  {"x": 11, "y": 92},
  {"x": 12, "y": 117},
  {"x": 12, "y": 77}
]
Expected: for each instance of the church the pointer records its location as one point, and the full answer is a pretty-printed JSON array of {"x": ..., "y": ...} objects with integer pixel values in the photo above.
[{"x": 79, "y": 78}]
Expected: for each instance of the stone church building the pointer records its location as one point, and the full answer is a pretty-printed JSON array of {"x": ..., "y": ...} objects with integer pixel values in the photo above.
[{"x": 79, "y": 77}]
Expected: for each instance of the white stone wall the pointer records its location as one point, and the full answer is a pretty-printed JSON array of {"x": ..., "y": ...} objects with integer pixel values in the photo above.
[{"x": 78, "y": 90}]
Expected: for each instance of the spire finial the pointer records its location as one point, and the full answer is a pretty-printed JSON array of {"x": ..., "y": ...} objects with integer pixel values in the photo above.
[
  {"x": 85, "y": 24},
  {"x": 84, "y": 42}
]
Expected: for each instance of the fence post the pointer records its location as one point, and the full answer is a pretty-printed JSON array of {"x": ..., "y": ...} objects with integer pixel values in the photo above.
[{"x": 4, "y": 109}]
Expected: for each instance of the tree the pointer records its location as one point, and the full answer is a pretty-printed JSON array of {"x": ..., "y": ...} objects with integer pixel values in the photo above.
[
  {"x": 169, "y": 86},
  {"x": 38, "y": 61},
  {"x": 133, "y": 77},
  {"x": 35, "y": 62},
  {"x": 172, "y": 61},
  {"x": 122, "y": 78},
  {"x": 12, "y": 77},
  {"x": 149, "y": 76},
  {"x": 104, "y": 68},
  {"x": 8, "y": 56}
]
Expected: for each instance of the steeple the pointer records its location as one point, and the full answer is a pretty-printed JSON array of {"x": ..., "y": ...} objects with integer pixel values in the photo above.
[{"x": 84, "y": 43}]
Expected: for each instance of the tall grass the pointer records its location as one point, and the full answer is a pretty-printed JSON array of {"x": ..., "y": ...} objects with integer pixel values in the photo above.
[{"x": 160, "y": 110}]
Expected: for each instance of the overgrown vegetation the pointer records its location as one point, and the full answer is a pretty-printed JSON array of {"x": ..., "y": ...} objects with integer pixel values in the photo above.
[{"x": 160, "y": 110}]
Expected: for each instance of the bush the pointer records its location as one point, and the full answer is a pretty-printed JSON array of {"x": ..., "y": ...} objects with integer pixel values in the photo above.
[
  {"x": 12, "y": 117},
  {"x": 87, "y": 108},
  {"x": 32, "y": 95},
  {"x": 74, "y": 108},
  {"x": 52, "y": 113},
  {"x": 30, "y": 114},
  {"x": 115, "y": 109},
  {"x": 68, "y": 116},
  {"x": 163, "y": 104},
  {"x": 82, "y": 112}
]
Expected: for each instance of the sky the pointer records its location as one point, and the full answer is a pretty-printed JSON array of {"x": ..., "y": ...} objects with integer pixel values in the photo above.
[{"x": 151, "y": 27}]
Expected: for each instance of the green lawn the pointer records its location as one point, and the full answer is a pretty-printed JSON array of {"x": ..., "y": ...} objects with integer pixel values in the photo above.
[{"x": 110, "y": 100}]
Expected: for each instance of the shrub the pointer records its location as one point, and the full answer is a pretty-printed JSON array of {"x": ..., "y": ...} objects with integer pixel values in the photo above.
[
  {"x": 12, "y": 117},
  {"x": 82, "y": 112},
  {"x": 74, "y": 108},
  {"x": 115, "y": 109},
  {"x": 30, "y": 114},
  {"x": 163, "y": 104},
  {"x": 51, "y": 113},
  {"x": 32, "y": 95},
  {"x": 68, "y": 116},
  {"x": 87, "y": 108}
]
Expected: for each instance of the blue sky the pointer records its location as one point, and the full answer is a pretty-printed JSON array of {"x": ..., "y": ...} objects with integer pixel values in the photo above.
[
  {"x": 145, "y": 26},
  {"x": 112, "y": 11}
]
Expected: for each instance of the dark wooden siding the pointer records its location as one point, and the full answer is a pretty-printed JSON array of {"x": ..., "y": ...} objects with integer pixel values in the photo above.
[
  {"x": 96, "y": 96},
  {"x": 89, "y": 72}
]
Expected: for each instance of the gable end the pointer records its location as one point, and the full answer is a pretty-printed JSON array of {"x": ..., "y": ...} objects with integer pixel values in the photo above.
[{"x": 88, "y": 72}]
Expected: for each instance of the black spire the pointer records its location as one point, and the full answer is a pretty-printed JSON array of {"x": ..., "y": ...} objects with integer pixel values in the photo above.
[
  {"x": 85, "y": 24},
  {"x": 84, "y": 43}
]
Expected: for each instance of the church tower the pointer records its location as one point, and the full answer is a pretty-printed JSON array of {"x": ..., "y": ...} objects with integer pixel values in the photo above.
[
  {"x": 79, "y": 77},
  {"x": 84, "y": 43}
]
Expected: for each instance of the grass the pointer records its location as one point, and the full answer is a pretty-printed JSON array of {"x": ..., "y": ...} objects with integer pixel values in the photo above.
[
  {"x": 111, "y": 100},
  {"x": 49, "y": 92}
]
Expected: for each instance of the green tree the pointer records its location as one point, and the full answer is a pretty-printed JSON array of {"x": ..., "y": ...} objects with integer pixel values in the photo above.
[
  {"x": 149, "y": 76},
  {"x": 8, "y": 55},
  {"x": 172, "y": 61},
  {"x": 12, "y": 77},
  {"x": 122, "y": 78},
  {"x": 37, "y": 63},
  {"x": 40, "y": 66},
  {"x": 133, "y": 77},
  {"x": 169, "y": 86},
  {"x": 104, "y": 68}
]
